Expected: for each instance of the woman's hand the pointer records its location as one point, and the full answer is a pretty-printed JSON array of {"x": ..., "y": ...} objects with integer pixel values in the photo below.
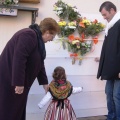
[
  {"x": 119, "y": 75},
  {"x": 46, "y": 87},
  {"x": 19, "y": 89}
]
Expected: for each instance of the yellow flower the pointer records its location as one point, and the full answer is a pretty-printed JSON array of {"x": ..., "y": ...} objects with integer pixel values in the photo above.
[
  {"x": 55, "y": 7},
  {"x": 69, "y": 5},
  {"x": 75, "y": 41},
  {"x": 62, "y": 23},
  {"x": 86, "y": 21},
  {"x": 72, "y": 23},
  {"x": 78, "y": 46},
  {"x": 102, "y": 25}
]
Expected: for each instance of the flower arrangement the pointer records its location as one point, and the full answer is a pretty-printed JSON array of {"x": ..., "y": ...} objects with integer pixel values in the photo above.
[
  {"x": 6, "y": 2},
  {"x": 78, "y": 48},
  {"x": 66, "y": 28},
  {"x": 89, "y": 28},
  {"x": 71, "y": 21},
  {"x": 60, "y": 9},
  {"x": 73, "y": 13},
  {"x": 9, "y": 2},
  {"x": 64, "y": 11}
]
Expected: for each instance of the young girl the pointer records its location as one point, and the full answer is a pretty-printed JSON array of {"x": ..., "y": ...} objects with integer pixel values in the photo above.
[{"x": 59, "y": 90}]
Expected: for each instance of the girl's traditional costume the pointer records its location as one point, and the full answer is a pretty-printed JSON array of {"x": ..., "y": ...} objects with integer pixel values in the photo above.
[{"x": 60, "y": 107}]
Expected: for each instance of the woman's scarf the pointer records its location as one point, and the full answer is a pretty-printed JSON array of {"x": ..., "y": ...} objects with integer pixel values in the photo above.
[
  {"x": 60, "y": 90},
  {"x": 41, "y": 44},
  {"x": 112, "y": 22}
]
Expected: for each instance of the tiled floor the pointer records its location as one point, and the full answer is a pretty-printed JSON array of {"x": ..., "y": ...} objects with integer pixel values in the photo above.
[{"x": 93, "y": 118}]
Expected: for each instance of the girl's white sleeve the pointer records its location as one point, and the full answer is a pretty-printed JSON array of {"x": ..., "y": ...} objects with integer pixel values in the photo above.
[
  {"x": 45, "y": 99},
  {"x": 77, "y": 89}
]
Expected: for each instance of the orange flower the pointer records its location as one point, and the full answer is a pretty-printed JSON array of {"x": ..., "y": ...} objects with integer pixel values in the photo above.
[
  {"x": 81, "y": 24},
  {"x": 77, "y": 38},
  {"x": 73, "y": 55},
  {"x": 95, "y": 40},
  {"x": 71, "y": 37},
  {"x": 83, "y": 36}
]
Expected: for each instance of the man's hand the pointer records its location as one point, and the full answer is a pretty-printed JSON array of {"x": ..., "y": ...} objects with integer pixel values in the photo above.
[
  {"x": 46, "y": 87},
  {"x": 119, "y": 75},
  {"x": 97, "y": 59},
  {"x": 19, "y": 89}
]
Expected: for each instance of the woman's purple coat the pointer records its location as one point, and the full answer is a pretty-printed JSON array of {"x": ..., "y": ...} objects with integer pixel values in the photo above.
[{"x": 20, "y": 64}]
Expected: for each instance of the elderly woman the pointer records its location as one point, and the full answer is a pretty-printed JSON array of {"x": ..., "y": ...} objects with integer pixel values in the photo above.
[{"x": 21, "y": 61}]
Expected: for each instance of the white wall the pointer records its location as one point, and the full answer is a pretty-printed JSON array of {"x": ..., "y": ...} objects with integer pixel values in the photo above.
[{"x": 91, "y": 101}]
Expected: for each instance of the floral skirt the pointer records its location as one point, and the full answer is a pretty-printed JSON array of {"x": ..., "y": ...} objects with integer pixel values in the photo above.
[{"x": 58, "y": 113}]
